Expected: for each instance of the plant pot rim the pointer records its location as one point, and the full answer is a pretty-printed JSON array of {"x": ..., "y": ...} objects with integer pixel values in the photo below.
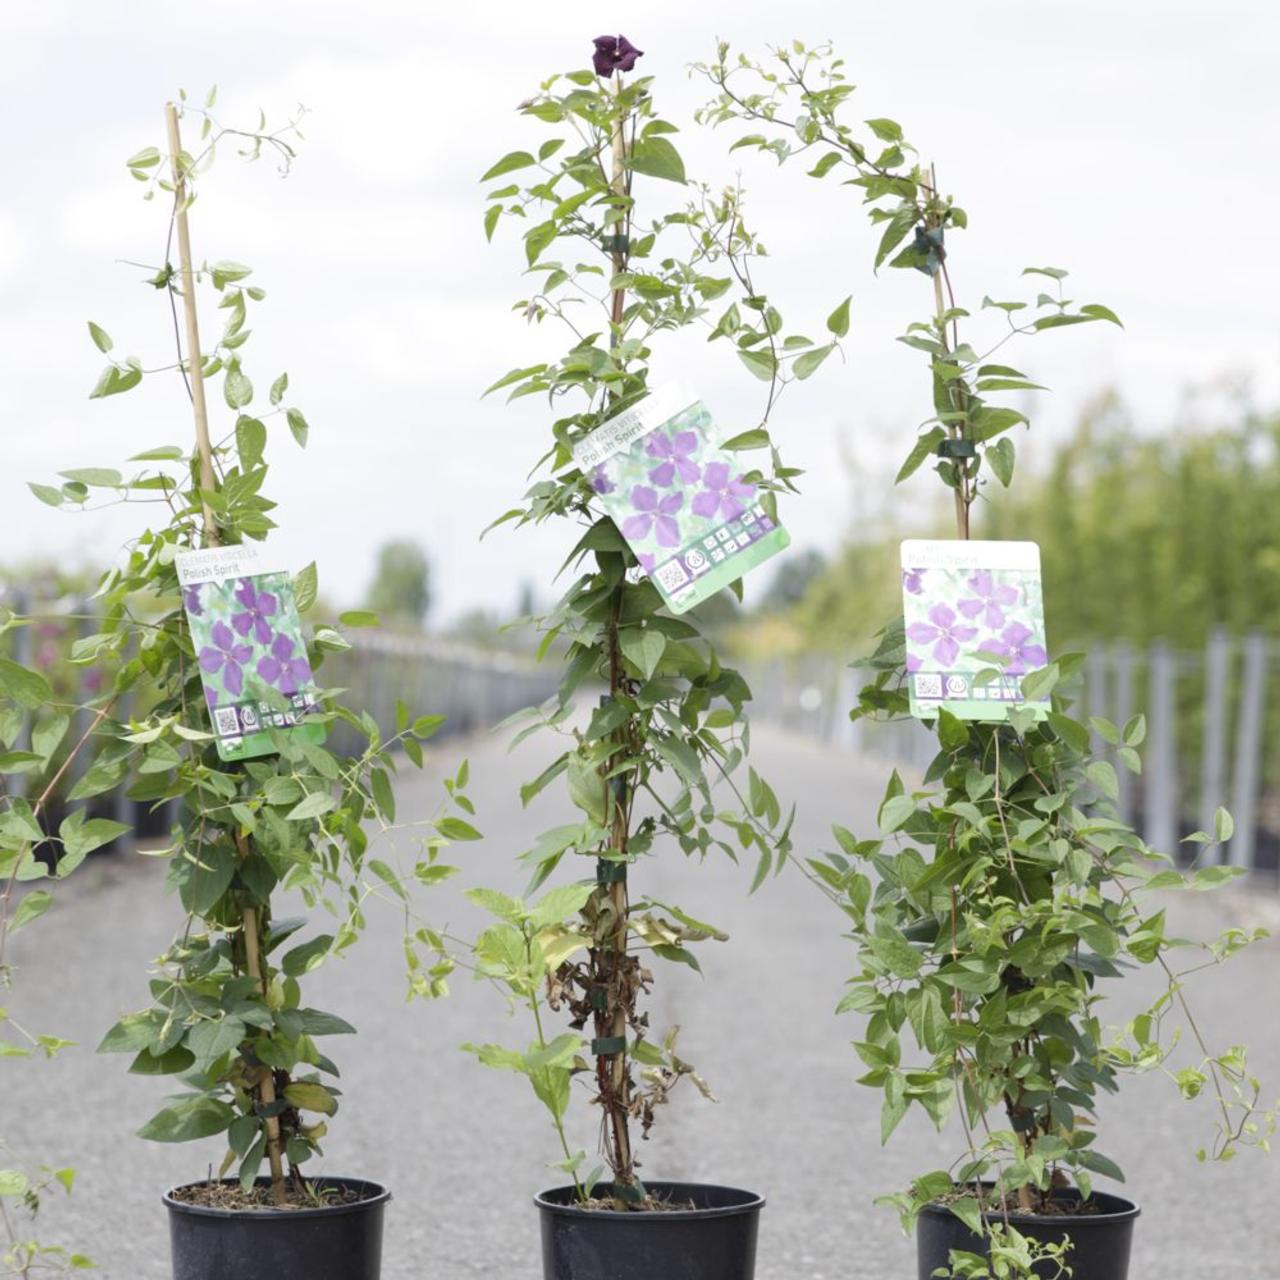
[
  {"x": 1114, "y": 1209},
  {"x": 379, "y": 1195},
  {"x": 561, "y": 1200}
]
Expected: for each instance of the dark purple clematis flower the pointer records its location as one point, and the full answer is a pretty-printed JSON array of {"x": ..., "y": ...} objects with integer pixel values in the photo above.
[
  {"x": 944, "y": 631},
  {"x": 227, "y": 656},
  {"x": 600, "y": 481},
  {"x": 723, "y": 493},
  {"x": 258, "y": 606},
  {"x": 614, "y": 53},
  {"x": 913, "y": 581},
  {"x": 191, "y": 601},
  {"x": 655, "y": 515},
  {"x": 1016, "y": 642},
  {"x": 282, "y": 669},
  {"x": 989, "y": 601},
  {"x": 676, "y": 452}
]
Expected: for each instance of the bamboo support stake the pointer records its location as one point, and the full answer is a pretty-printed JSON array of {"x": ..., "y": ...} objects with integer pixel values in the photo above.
[
  {"x": 208, "y": 482},
  {"x": 940, "y": 308},
  {"x": 618, "y": 889}
]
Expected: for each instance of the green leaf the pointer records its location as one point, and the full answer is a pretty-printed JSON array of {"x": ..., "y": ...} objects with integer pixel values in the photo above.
[
  {"x": 101, "y": 338},
  {"x": 28, "y": 689},
  {"x": 643, "y": 647},
  {"x": 317, "y": 1023},
  {"x": 509, "y": 163},
  {"x": 315, "y": 805},
  {"x": 925, "y": 447},
  {"x": 13, "y": 1183},
  {"x": 1000, "y": 457},
  {"x": 251, "y": 440},
  {"x": 762, "y": 363},
  {"x": 838, "y": 320},
  {"x": 806, "y": 364},
  {"x": 657, "y": 158},
  {"x": 278, "y": 388},
  {"x": 297, "y": 425},
  {"x": 46, "y": 493},
  {"x": 383, "y": 795},
  {"x": 1099, "y": 312},
  {"x": 1072, "y": 732},
  {"x": 307, "y": 1096},
  {"x": 225, "y": 273},
  {"x": 32, "y": 907},
  {"x": 456, "y": 829},
  {"x": 237, "y": 390},
  {"x": 895, "y": 812},
  {"x": 358, "y": 618},
  {"x": 305, "y": 587},
  {"x": 196, "y": 1117}
]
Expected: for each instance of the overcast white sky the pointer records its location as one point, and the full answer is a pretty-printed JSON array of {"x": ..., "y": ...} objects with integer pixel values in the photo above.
[{"x": 1132, "y": 141}]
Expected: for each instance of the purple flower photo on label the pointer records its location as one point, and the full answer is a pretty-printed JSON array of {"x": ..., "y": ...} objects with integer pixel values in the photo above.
[
  {"x": 913, "y": 580},
  {"x": 989, "y": 600},
  {"x": 281, "y": 669},
  {"x": 226, "y": 657},
  {"x": 1017, "y": 643},
  {"x": 600, "y": 481},
  {"x": 655, "y": 514},
  {"x": 944, "y": 632},
  {"x": 256, "y": 607},
  {"x": 191, "y": 601},
  {"x": 676, "y": 454},
  {"x": 723, "y": 493}
]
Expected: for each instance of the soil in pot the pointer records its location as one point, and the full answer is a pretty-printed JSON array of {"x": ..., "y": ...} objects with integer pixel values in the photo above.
[
  {"x": 335, "y": 1233},
  {"x": 701, "y": 1232},
  {"x": 1101, "y": 1234}
]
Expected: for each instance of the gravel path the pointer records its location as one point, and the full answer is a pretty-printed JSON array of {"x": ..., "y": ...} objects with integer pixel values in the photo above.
[{"x": 463, "y": 1148}]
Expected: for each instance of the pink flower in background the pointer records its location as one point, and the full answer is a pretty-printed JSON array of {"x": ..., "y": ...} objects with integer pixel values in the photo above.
[
  {"x": 653, "y": 514},
  {"x": 722, "y": 493},
  {"x": 677, "y": 453},
  {"x": 226, "y": 656},
  {"x": 989, "y": 600},
  {"x": 944, "y": 632}
]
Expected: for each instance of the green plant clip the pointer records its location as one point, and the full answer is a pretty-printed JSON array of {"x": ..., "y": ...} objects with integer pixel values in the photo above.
[
  {"x": 610, "y": 871},
  {"x": 599, "y": 999},
  {"x": 616, "y": 244},
  {"x": 608, "y": 1046},
  {"x": 631, "y": 1192},
  {"x": 953, "y": 448}
]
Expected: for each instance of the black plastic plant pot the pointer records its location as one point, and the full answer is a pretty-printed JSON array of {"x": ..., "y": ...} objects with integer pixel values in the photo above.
[
  {"x": 713, "y": 1240},
  {"x": 330, "y": 1242},
  {"x": 1100, "y": 1241}
]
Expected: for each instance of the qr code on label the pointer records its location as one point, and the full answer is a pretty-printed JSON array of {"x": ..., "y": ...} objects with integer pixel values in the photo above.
[
  {"x": 225, "y": 721},
  {"x": 928, "y": 685},
  {"x": 672, "y": 575}
]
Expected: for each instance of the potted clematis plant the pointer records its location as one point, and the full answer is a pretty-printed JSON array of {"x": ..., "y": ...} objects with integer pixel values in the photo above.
[
  {"x": 667, "y": 512},
  {"x": 195, "y": 619},
  {"x": 1001, "y": 898}
]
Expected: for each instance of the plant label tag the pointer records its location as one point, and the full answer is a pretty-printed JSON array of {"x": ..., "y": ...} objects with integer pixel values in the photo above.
[
  {"x": 248, "y": 640},
  {"x": 973, "y": 614},
  {"x": 678, "y": 498}
]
